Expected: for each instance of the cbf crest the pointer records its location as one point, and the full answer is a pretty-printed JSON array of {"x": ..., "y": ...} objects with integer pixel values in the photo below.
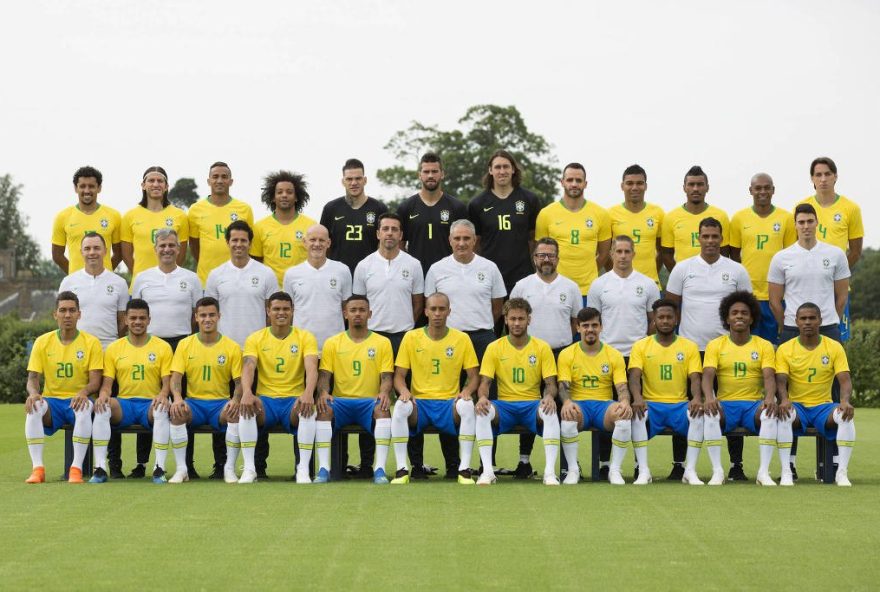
[
  {"x": 605, "y": 369},
  {"x": 110, "y": 289},
  {"x": 838, "y": 217},
  {"x": 825, "y": 360},
  {"x": 371, "y": 353},
  {"x": 826, "y": 263},
  {"x": 233, "y": 216},
  {"x": 169, "y": 222},
  {"x": 221, "y": 359},
  {"x": 105, "y": 223},
  {"x": 533, "y": 359},
  {"x": 405, "y": 274},
  {"x": 151, "y": 357},
  {"x": 520, "y": 206},
  {"x": 589, "y": 222},
  {"x": 725, "y": 277},
  {"x": 481, "y": 276},
  {"x": 255, "y": 281},
  {"x": 444, "y": 216},
  {"x": 679, "y": 356},
  {"x": 333, "y": 283},
  {"x": 299, "y": 235},
  {"x": 80, "y": 354},
  {"x": 639, "y": 290},
  {"x": 450, "y": 351},
  {"x": 650, "y": 222},
  {"x": 294, "y": 349},
  {"x": 371, "y": 217},
  {"x": 563, "y": 298},
  {"x": 777, "y": 227},
  {"x": 183, "y": 286},
  {"x": 755, "y": 356}
]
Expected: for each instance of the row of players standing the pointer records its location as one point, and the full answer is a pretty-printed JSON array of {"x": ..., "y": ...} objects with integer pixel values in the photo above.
[{"x": 506, "y": 219}]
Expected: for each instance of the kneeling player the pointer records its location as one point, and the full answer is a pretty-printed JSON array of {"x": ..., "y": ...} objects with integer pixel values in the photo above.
[
  {"x": 805, "y": 370},
  {"x": 141, "y": 365},
  {"x": 285, "y": 359},
  {"x": 360, "y": 364},
  {"x": 588, "y": 370},
  {"x": 210, "y": 361},
  {"x": 744, "y": 365},
  {"x": 435, "y": 356},
  {"x": 659, "y": 369},
  {"x": 519, "y": 363},
  {"x": 70, "y": 362}
]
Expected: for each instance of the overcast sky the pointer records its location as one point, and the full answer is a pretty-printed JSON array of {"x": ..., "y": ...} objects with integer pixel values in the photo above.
[{"x": 738, "y": 88}]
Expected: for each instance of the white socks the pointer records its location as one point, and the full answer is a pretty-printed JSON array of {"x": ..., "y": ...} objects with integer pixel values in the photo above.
[
  {"x": 484, "y": 439},
  {"x": 382, "y": 433},
  {"x": 101, "y": 437},
  {"x": 640, "y": 442},
  {"x": 179, "y": 439},
  {"x": 620, "y": 439},
  {"x": 568, "y": 431},
  {"x": 767, "y": 435},
  {"x": 248, "y": 432},
  {"x": 846, "y": 437},
  {"x": 305, "y": 435},
  {"x": 323, "y": 434},
  {"x": 784, "y": 438},
  {"x": 34, "y": 434},
  {"x": 400, "y": 432},
  {"x": 695, "y": 442},
  {"x": 161, "y": 434},
  {"x": 233, "y": 445},
  {"x": 551, "y": 441},
  {"x": 467, "y": 430},
  {"x": 712, "y": 439},
  {"x": 82, "y": 434}
]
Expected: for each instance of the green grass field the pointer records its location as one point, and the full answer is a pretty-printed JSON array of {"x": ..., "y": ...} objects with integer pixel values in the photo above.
[{"x": 437, "y": 534}]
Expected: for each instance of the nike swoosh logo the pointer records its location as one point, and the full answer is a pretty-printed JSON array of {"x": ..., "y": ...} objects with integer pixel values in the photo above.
[
  {"x": 504, "y": 359},
  {"x": 138, "y": 223},
  {"x": 746, "y": 227},
  {"x": 191, "y": 358},
  {"x": 487, "y": 209},
  {"x": 558, "y": 222},
  {"x": 419, "y": 350},
  {"x": 122, "y": 357},
  {"x": 411, "y": 216},
  {"x": 649, "y": 357},
  {"x": 338, "y": 217},
  {"x": 266, "y": 349},
  {"x": 72, "y": 224}
]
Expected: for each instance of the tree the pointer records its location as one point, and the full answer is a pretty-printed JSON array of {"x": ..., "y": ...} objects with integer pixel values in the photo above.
[
  {"x": 865, "y": 282},
  {"x": 14, "y": 235},
  {"x": 184, "y": 193},
  {"x": 466, "y": 151}
]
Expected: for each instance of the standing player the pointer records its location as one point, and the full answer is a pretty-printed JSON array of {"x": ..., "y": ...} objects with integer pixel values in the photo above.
[
  {"x": 279, "y": 238},
  {"x": 70, "y": 363},
  {"x": 152, "y": 214},
  {"x": 582, "y": 229},
  {"x": 435, "y": 356},
  {"x": 351, "y": 219},
  {"x": 640, "y": 221},
  {"x": 840, "y": 220},
  {"x": 589, "y": 371},
  {"x": 141, "y": 364},
  {"x": 428, "y": 214},
  {"x": 87, "y": 216},
  {"x": 285, "y": 360},
  {"x": 805, "y": 369},
  {"x": 520, "y": 363},
  {"x": 661, "y": 369},
  {"x": 210, "y": 362},
  {"x": 103, "y": 293},
  {"x": 680, "y": 235},
  {"x": 360, "y": 364},
  {"x": 504, "y": 220},
  {"x": 743, "y": 364},
  {"x": 208, "y": 219}
]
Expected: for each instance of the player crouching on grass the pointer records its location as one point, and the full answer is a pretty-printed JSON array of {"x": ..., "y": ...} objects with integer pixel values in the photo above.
[
  {"x": 744, "y": 365},
  {"x": 806, "y": 367},
  {"x": 141, "y": 364},
  {"x": 661, "y": 367},
  {"x": 435, "y": 356},
  {"x": 519, "y": 363},
  {"x": 588, "y": 371},
  {"x": 285, "y": 359},
  {"x": 70, "y": 362},
  {"x": 360, "y": 364}
]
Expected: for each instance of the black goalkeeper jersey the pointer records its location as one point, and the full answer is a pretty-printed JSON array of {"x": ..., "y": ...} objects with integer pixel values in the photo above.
[
  {"x": 352, "y": 232},
  {"x": 426, "y": 228}
]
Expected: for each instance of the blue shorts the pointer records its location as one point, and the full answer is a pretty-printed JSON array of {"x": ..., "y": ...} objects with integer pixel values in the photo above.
[
  {"x": 667, "y": 415},
  {"x": 353, "y": 412},
  {"x": 276, "y": 411},
  {"x": 815, "y": 417},
  {"x": 740, "y": 414},
  {"x": 207, "y": 412},
  {"x": 62, "y": 413},
  {"x": 517, "y": 413},
  {"x": 436, "y": 412},
  {"x": 135, "y": 411},
  {"x": 594, "y": 413},
  {"x": 844, "y": 322},
  {"x": 767, "y": 327}
]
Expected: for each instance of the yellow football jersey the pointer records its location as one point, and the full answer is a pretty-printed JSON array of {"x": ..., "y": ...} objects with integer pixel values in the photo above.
[
  {"x": 357, "y": 368},
  {"x": 681, "y": 230},
  {"x": 739, "y": 368},
  {"x": 839, "y": 222},
  {"x": 138, "y": 370},
  {"x": 758, "y": 240},
  {"x": 71, "y": 224},
  {"x": 577, "y": 234},
  {"x": 65, "y": 368},
  {"x": 644, "y": 228},
  {"x": 208, "y": 368},
  {"x": 591, "y": 378},
  {"x": 810, "y": 373},
  {"x": 436, "y": 366},
  {"x": 281, "y": 245},
  {"x": 665, "y": 370},
  {"x": 281, "y": 370},
  {"x": 139, "y": 227},
  {"x": 518, "y": 372},
  {"x": 207, "y": 224}
]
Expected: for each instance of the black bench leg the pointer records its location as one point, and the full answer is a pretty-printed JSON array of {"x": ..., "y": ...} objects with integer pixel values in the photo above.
[
  {"x": 825, "y": 470},
  {"x": 337, "y": 454},
  {"x": 594, "y": 455}
]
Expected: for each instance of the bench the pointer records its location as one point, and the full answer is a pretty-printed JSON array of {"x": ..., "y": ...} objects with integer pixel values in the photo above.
[{"x": 824, "y": 463}]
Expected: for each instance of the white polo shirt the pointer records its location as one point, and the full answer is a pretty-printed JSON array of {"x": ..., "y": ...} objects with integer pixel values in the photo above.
[
  {"x": 624, "y": 303},
  {"x": 389, "y": 285},
  {"x": 808, "y": 275},
  {"x": 100, "y": 298},
  {"x": 172, "y": 298},
  {"x": 702, "y": 287},
  {"x": 554, "y": 304},
  {"x": 470, "y": 288},
  {"x": 242, "y": 293},
  {"x": 317, "y": 297}
]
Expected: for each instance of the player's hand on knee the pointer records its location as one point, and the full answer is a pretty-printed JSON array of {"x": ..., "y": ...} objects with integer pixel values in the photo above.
[
  {"x": 639, "y": 408},
  {"x": 383, "y": 402},
  {"x": 247, "y": 407},
  {"x": 178, "y": 411},
  {"x": 323, "y": 404},
  {"x": 304, "y": 406},
  {"x": 404, "y": 396},
  {"x": 232, "y": 411},
  {"x": 160, "y": 404},
  {"x": 695, "y": 408},
  {"x": 79, "y": 403},
  {"x": 32, "y": 402},
  {"x": 623, "y": 410},
  {"x": 783, "y": 410},
  {"x": 569, "y": 411},
  {"x": 770, "y": 408},
  {"x": 712, "y": 407},
  {"x": 847, "y": 411},
  {"x": 483, "y": 405},
  {"x": 548, "y": 405},
  {"x": 102, "y": 403}
]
